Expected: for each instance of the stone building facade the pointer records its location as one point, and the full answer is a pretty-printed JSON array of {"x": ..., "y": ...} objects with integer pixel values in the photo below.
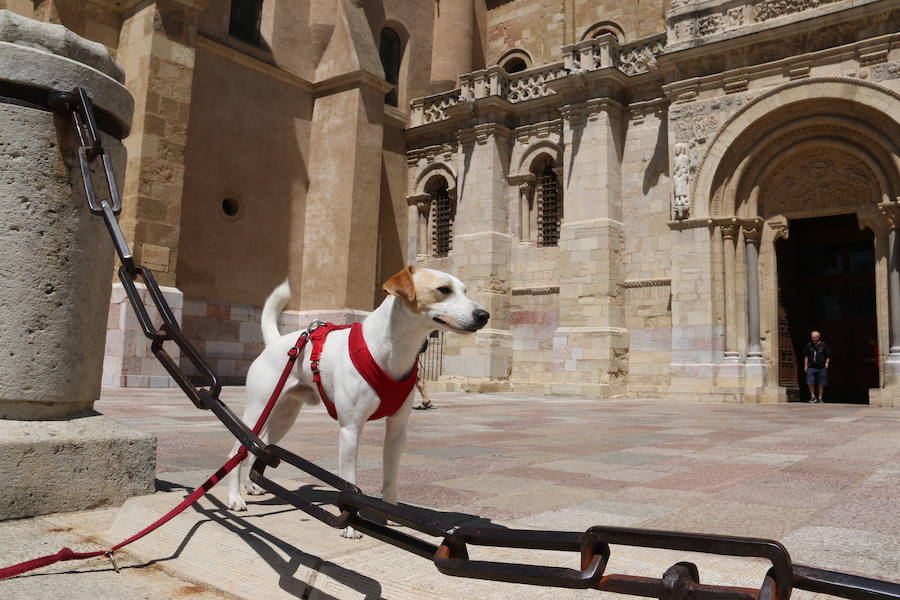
[{"x": 655, "y": 198}]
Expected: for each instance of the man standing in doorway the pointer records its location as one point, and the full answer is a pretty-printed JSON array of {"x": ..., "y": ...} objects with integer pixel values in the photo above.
[{"x": 816, "y": 359}]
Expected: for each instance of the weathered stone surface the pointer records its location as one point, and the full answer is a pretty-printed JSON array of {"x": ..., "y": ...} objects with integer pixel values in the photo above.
[
  {"x": 55, "y": 257},
  {"x": 57, "y": 466}
]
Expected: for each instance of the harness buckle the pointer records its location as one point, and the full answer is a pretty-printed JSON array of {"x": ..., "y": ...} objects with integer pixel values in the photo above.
[{"x": 314, "y": 325}]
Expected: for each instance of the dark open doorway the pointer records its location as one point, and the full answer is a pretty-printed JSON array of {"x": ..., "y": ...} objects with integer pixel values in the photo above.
[{"x": 826, "y": 282}]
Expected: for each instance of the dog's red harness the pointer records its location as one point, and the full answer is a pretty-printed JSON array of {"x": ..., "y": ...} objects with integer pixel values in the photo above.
[{"x": 391, "y": 393}]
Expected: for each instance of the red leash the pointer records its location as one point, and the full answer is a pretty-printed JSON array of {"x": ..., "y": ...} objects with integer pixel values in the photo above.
[{"x": 67, "y": 554}]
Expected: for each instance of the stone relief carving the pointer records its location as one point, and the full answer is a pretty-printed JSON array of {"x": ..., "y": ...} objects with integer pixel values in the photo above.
[
  {"x": 821, "y": 179},
  {"x": 711, "y": 21},
  {"x": 763, "y": 10},
  {"x": 886, "y": 71},
  {"x": 699, "y": 121}
]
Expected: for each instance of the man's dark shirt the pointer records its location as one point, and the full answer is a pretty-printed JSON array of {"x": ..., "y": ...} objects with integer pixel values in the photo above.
[{"x": 817, "y": 354}]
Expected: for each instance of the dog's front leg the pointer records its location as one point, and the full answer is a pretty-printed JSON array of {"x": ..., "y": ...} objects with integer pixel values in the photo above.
[
  {"x": 347, "y": 456},
  {"x": 394, "y": 440}
]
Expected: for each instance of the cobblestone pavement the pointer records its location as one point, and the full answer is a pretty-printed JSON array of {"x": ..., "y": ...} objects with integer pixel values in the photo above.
[{"x": 823, "y": 479}]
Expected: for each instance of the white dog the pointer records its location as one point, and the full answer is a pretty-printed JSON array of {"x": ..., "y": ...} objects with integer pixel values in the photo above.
[{"x": 419, "y": 301}]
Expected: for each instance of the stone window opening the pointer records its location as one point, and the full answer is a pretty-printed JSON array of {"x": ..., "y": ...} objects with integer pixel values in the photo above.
[
  {"x": 390, "y": 49},
  {"x": 515, "y": 61},
  {"x": 443, "y": 211},
  {"x": 244, "y": 20},
  {"x": 547, "y": 205}
]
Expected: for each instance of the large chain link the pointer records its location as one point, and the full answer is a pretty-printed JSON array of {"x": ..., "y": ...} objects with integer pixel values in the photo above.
[{"x": 364, "y": 513}]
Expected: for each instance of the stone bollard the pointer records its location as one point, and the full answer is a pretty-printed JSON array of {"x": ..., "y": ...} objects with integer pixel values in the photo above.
[{"x": 56, "y": 261}]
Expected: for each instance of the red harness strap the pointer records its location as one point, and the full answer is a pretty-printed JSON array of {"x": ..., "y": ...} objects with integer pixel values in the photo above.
[{"x": 391, "y": 393}]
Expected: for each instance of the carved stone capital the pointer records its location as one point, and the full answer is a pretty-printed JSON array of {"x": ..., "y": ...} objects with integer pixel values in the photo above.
[
  {"x": 522, "y": 179},
  {"x": 422, "y": 201},
  {"x": 730, "y": 229},
  {"x": 890, "y": 213},
  {"x": 780, "y": 225},
  {"x": 752, "y": 229}
]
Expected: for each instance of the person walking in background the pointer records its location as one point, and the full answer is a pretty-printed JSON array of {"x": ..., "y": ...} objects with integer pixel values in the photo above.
[
  {"x": 816, "y": 358},
  {"x": 420, "y": 383}
]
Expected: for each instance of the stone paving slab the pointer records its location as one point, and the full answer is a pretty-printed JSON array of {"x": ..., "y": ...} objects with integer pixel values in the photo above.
[
  {"x": 92, "y": 579},
  {"x": 822, "y": 479}
]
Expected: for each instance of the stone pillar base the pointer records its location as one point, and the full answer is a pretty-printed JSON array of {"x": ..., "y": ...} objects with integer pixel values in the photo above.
[
  {"x": 63, "y": 466},
  {"x": 128, "y": 361},
  {"x": 590, "y": 356},
  {"x": 479, "y": 361}
]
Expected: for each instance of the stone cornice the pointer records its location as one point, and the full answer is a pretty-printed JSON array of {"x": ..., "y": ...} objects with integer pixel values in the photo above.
[
  {"x": 351, "y": 80},
  {"x": 121, "y": 6},
  {"x": 250, "y": 62}
]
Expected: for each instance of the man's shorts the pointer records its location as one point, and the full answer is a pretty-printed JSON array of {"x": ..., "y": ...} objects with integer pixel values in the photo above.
[{"x": 816, "y": 376}]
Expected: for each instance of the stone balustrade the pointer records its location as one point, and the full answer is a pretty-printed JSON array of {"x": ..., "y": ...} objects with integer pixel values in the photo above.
[
  {"x": 432, "y": 109},
  {"x": 593, "y": 54}
]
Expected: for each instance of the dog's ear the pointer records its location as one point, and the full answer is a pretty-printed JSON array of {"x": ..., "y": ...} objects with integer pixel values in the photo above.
[{"x": 402, "y": 285}]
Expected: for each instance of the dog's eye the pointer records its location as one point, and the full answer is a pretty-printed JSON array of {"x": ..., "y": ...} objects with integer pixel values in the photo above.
[{"x": 445, "y": 290}]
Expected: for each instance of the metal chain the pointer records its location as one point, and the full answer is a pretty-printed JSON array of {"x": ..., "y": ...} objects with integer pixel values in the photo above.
[{"x": 680, "y": 582}]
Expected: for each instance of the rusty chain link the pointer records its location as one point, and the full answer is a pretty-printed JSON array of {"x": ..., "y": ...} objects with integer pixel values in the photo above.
[{"x": 680, "y": 582}]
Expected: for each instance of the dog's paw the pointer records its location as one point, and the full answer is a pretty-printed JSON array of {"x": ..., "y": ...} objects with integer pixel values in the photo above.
[
  {"x": 390, "y": 523},
  {"x": 237, "y": 504},
  {"x": 351, "y": 534},
  {"x": 253, "y": 489}
]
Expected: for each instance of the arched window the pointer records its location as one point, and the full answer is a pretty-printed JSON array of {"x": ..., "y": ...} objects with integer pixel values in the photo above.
[
  {"x": 548, "y": 202},
  {"x": 443, "y": 213},
  {"x": 391, "y": 50},
  {"x": 515, "y": 60},
  {"x": 243, "y": 23},
  {"x": 515, "y": 65},
  {"x": 604, "y": 27}
]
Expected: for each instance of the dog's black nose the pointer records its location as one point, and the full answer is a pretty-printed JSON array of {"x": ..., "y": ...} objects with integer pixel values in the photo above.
[{"x": 481, "y": 316}]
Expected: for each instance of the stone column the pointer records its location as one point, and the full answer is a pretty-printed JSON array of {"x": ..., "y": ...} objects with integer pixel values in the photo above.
[
  {"x": 752, "y": 229},
  {"x": 525, "y": 185},
  {"x": 591, "y": 342},
  {"x": 55, "y": 257},
  {"x": 453, "y": 43},
  {"x": 481, "y": 256},
  {"x": 420, "y": 206},
  {"x": 890, "y": 212},
  {"x": 729, "y": 240}
]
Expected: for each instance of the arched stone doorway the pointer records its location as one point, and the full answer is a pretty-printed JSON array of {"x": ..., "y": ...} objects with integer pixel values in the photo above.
[{"x": 790, "y": 160}]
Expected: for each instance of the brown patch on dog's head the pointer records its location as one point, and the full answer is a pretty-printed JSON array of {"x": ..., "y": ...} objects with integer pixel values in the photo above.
[
  {"x": 401, "y": 285},
  {"x": 427, "y": 284}
]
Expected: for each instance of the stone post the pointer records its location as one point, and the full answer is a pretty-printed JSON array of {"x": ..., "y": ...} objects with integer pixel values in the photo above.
[
  {"x": 525, "y": 185},
  {"x": 729, "y": 239},
  {"x": 752, "y": 233},
  {"x": 55, "y": 453}
]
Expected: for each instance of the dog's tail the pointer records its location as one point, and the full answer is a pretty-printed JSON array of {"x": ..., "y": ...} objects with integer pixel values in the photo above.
[{"x": 272, "y": 309}]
